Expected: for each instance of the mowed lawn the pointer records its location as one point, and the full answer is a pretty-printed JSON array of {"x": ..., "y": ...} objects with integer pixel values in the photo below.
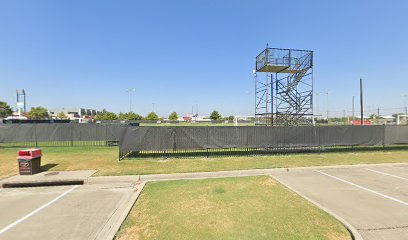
[
  {"x": 227, "y": 208},
  {"x": 105, "y": 160}
]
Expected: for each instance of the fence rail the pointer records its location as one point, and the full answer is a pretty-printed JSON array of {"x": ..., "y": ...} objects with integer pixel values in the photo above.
[
  {"x": 59, "y": 134},
  {"x": 139, "y": 141}
]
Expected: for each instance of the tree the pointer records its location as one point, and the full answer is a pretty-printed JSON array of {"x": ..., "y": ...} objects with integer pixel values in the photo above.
[
  {"x": 5, "y": 110},
  {"x": 99, "y": 116},
  {"x": 215, "y": 115},
  {"x": 123, "y": 116},
  {"x": 38, "y": 113},
  {"x": 230, "y": 118},
  {"x": 130, "y": 116},
  {"x": 134, "y": 116},
  {"x": 110, "y": 116},
  {"x": 105, "y": 115},
  {"x": 152, "y": 116},
  {"x": 173, "y": 116},
  {"x": 61, "y": 115}
]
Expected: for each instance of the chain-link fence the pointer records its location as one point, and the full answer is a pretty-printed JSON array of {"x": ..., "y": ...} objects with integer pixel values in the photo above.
[
  {"x": 61, "y": 134},
  {"x": 165, "y": 141}
]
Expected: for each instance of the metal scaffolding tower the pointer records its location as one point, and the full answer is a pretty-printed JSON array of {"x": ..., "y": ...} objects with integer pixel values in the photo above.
[{"x": 285, "y": 96}]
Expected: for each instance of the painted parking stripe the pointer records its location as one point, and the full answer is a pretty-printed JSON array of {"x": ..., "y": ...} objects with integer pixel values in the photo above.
[
  {"x": 35, "y": 211},
  {"x": 386, "y": 174},
  {"x": 364, "y": 188}
]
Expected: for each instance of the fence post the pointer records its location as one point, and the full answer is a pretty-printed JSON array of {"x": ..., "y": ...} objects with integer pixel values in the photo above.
[
  {"x": 72, "y": 134},
  {"x": 383, "y": 142},
  {"x": 352, "y": 137},
  {"x": 35, "y": 135},
  {"x": 247, "y": 139},
  {"x": 106, "y": 135},
  {"x": 207, "y": 142},
  {"x": 174, "y": 140}
]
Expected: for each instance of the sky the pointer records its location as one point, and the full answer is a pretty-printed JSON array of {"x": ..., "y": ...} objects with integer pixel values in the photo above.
[{"x": 177, "y": 54}]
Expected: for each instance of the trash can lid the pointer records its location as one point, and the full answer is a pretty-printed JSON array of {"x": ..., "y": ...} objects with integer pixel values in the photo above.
[{"x": 32, "y": 152}]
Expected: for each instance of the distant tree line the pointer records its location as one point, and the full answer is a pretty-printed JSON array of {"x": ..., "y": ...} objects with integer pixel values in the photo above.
[
  {"x": 42, "y": 113},
  {"x": 131, "y": 116},
  {"x": 152, "y": 116}
]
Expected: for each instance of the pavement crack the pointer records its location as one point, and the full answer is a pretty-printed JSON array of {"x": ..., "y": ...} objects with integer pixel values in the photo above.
[{"x": 382, "y": 228}]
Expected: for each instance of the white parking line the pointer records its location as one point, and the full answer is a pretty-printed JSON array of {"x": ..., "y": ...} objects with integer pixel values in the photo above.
[
  {"x": 386, "y": 174},
  {"x": 364, "y": 188},
  {"x": 35, "y": 211}
]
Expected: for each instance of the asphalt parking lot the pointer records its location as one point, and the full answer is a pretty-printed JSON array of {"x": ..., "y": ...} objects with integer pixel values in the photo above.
[
  {"x": 372, "y": 200},
  {"x": 63, "y": 212}
]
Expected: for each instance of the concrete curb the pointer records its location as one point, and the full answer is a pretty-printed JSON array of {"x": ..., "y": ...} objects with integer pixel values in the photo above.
[
  {"x": 355, "y": 235},
  {"x": 48, "y": 178},
  {"x": 222, "y": 174},
  {"x": 27, "y": 181},
  {"x": 113, "y": 224},
  {"x": 66, "y": 182}
]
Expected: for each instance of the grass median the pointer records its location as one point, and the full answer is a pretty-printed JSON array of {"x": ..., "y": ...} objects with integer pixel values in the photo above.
[
  {"x": 105, "y": 160},
  {"x": 228, "y": 208}
]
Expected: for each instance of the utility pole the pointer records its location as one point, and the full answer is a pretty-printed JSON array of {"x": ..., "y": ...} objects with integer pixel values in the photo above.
[
  {"x": 130, "y": 91},
  {"x": 361, "y": 102},
  {"x": 317, "y": 101}
]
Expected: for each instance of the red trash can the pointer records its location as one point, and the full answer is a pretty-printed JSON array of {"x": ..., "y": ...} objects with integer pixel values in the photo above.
[{"x": 29, "y": 161}]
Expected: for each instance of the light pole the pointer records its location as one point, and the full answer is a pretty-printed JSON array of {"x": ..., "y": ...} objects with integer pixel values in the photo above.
[
  {"x": 130, "y": 91},
  {"x": 317, "y": 103}
]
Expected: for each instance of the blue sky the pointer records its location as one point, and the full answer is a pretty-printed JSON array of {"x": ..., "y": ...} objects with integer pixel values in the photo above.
[{"x": 176, "y": 54}]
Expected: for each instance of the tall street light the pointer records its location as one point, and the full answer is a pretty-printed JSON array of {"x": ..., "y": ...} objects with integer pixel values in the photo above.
[
  {"x": 317, "y": 103},
  {"x": 130, "y": 91}
]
